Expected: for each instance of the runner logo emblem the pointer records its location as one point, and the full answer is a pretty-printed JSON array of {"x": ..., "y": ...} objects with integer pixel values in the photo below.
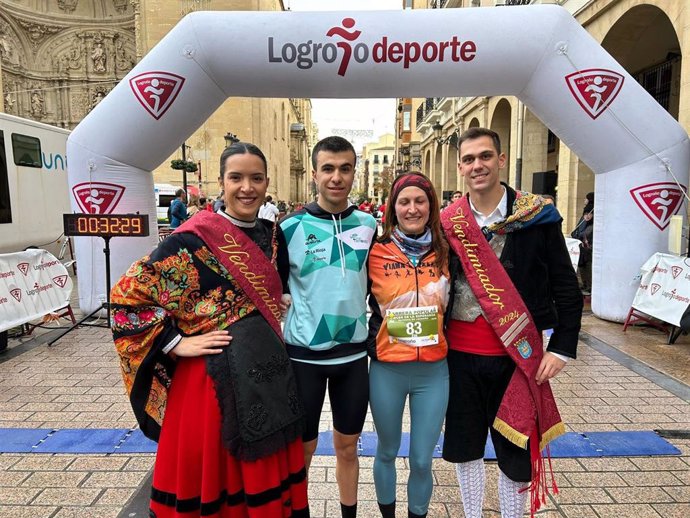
[
  {"x": 60, "y": 280},
  {"x": 156, "y": 91},
  {"x": 23, "y": 267},
  {"x": 97, "y": 197},
  {"x": 655, "y": 287},
  {"x": 17, "y": 294},
  {"x": 676, "y": 271},
  {"x": 659, "y": 201},
  {"x": 595, "y": 89}
]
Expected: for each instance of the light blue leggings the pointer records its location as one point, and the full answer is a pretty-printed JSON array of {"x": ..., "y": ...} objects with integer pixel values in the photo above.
[{"x": 389, "y": 386}]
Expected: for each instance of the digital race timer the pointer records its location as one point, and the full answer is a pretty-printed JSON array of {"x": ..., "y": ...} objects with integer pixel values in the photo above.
[{"x": 106, "y": 225}]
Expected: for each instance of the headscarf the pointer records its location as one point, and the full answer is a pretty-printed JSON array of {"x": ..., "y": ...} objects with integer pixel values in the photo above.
[{"x": 410, "y": 180}]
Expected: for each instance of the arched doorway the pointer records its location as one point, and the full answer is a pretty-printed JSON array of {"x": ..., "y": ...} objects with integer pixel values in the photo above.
[
  {"x": 500, "y": 123},
  {"x": 645, "y": 43}
]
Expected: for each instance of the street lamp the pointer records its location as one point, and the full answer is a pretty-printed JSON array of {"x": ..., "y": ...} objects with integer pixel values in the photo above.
[
  {"x": 438, "y": 135},
  {"x": 230, "y": 139}
]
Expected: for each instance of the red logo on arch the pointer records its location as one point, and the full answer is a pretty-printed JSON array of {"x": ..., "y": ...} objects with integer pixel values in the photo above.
[
  {"x": 659, "y": 201},
  {"x": 23, "y": 267},
  {"x": 595, "y": 89},
  {"x": 97, "y": 197},
  {"x": 60, "y": 280},
  {"x": 17, "y": 294},
  {"x": 156, "y": 91}
]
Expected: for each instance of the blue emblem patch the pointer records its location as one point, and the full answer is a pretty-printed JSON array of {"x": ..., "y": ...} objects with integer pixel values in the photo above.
[{"x": 524, "y": 348}]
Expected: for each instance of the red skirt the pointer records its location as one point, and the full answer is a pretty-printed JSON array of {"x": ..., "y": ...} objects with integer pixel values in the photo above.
[{"x": 195, "y": 475}]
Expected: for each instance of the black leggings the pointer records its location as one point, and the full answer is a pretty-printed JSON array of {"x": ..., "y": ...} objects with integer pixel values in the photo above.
[{"x": 348, "y": 391}]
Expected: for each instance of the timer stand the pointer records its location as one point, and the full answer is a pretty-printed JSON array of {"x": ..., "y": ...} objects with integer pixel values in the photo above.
[
  {"x": 105, "y": 305},
  {"x": 105, "y": 226}
]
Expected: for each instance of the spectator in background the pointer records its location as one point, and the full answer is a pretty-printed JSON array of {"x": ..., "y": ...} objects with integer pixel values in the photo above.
[
  {"x": 268, "y": 210},
  {"x": 193, "y": 206},
  {"x": 218, "y": 204},
  {"x": 178, "y": 209},
  {"x": 366, "y": 206},
  {"x": 455, "y": 196},
  {"x": 584, "y": 232}
]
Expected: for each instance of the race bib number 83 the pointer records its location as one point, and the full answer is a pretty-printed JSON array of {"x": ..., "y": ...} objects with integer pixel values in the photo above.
[{"x": 417, "y": 327}]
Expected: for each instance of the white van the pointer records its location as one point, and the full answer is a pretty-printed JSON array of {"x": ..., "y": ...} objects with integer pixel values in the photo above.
[
  {"x": 33, "y": 183},
  {"x": 165, "y": 194}
]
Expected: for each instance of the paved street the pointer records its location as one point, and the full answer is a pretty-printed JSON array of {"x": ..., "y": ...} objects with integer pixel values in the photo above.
[{"x": 77, "y": 384}]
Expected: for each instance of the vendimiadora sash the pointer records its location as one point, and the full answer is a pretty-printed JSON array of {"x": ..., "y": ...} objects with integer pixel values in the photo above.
[
  {"x": 256, "y": 275},
  {"x": 528, "y": 411}
]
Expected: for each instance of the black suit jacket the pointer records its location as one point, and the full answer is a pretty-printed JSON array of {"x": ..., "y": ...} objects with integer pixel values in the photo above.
[{"x": 537, "y": 261}]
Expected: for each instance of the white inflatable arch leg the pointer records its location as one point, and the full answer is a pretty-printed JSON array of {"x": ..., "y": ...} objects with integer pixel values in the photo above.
[{"x": 538, "y": 53}]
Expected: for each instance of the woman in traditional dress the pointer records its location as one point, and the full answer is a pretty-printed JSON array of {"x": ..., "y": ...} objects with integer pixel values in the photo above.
[
  {"x": 409, "y": 281},
  {"x": 196, "y": 325}
]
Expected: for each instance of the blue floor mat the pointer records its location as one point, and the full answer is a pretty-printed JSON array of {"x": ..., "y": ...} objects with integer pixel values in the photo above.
[
  {"x": 82, "y": 441},
  {"x": 103, "y": 441},
  {"x": 137, "y": 442},
  {"x": 18, "y": 440}
]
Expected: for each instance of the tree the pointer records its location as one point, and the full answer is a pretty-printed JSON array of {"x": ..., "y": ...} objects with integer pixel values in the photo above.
[{"x": 386, "y": 180}]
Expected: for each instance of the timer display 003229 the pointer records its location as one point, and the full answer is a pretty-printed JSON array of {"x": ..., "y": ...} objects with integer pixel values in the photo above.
[{"x": 106, "y": 225}]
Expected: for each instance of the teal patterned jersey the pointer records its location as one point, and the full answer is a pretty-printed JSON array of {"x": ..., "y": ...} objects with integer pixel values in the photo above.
[{"x": 327, "y": 280}]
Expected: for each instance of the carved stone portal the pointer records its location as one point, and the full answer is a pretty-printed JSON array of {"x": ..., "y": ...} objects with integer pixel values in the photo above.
[{"x": 67, "y": 5}]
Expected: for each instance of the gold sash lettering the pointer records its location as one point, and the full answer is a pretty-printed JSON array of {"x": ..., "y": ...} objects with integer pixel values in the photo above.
[
  {"x": 460, "y": 223},
  {"x": 238, "y": 257}
]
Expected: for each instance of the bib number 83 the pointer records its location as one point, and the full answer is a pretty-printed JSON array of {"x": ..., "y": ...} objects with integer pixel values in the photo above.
[{"x": 413, "y": 328}]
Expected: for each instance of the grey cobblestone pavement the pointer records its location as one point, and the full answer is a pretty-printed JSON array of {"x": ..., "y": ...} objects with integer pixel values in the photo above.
[{"x": 76, "y": 384}]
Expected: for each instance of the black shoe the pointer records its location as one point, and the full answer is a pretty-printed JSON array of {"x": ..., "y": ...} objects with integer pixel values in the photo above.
[{"x": 387, "y": 510}]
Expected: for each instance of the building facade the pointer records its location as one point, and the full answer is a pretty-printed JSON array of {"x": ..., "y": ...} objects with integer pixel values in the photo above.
[
  {"x": 647, "y": 37},
  {"x": 59, "y": 59},
  {"x": 377, "y": 170}
]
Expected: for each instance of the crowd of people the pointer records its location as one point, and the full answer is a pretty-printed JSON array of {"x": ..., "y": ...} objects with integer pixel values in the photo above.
[{"x": 231, "y": 332}]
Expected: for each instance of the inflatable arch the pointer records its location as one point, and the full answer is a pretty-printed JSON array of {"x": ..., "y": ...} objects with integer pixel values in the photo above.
[{"x": 540, "y": 54}]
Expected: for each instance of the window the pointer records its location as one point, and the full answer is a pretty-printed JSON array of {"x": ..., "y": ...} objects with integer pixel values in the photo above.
[
  {"x": 5, "y": 206},
  {"x": 385, "y": 159},
  {"x": 657, "y": 81},
  {"x": 406, "y": 120},
  {"x": 26, "y": 150},
  {"x": 551, "y": 142},
  {"x": 376, "y": 159}
]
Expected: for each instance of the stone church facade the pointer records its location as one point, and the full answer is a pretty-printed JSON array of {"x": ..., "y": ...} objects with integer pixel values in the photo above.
[{"x": 60, "y": 58}]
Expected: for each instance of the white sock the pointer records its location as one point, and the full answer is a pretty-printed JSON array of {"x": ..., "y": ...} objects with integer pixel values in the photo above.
[
  {"x": 511, "y": 496},
  {"x": 472, "y": 479}
]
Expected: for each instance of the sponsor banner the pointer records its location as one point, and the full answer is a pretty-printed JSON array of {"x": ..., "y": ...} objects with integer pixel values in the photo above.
[
  {"x": 573, "y": 246},
  {"x": 32, "y": 284},
  {"x": 664, "y": 291}
]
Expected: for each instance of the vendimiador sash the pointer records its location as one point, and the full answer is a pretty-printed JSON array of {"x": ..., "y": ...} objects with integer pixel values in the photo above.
[
  {"x": 527, "y": 410},
  {"x": 245, "y": 261}
]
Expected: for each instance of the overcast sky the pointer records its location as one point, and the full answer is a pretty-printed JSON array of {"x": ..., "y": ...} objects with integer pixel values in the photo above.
[{"x": 377, "y": 115}]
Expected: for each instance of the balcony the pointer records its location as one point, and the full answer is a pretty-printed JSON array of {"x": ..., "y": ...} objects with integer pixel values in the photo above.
[
  {"x": 429, "y": 113},
  {"x": 438, "y": 4}
]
